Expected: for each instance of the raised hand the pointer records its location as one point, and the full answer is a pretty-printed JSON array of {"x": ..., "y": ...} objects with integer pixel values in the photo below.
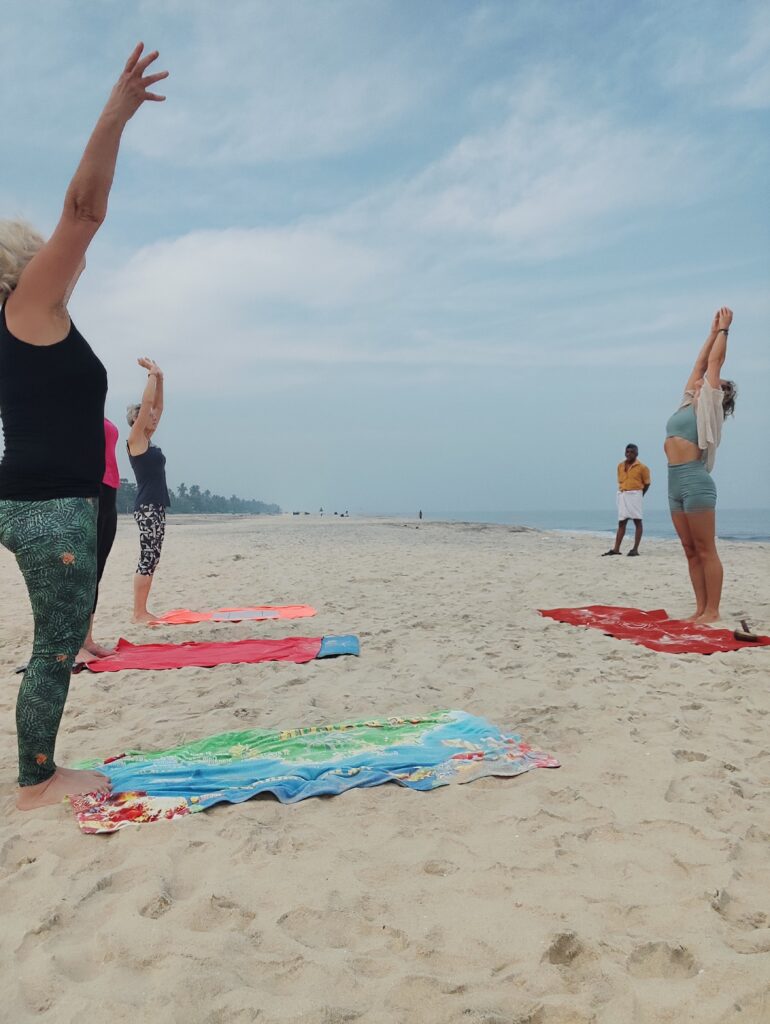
[
  {"x": 150, "y": 366},
  {"x": 131, "y": 89},
  {"x": 724, "y": 318}
]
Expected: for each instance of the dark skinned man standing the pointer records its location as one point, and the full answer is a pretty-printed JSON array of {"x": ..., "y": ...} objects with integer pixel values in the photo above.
[{"x": 633, "y": 484}]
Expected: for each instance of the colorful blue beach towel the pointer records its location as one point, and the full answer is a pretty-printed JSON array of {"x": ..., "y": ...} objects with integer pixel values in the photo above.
[{"x": 421, "y": 753}]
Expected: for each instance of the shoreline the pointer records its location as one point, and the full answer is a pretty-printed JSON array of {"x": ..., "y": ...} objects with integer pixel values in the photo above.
[{"x": 226, "y": 517}]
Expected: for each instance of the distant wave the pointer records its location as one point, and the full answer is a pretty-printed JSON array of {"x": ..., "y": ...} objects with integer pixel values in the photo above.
[{"x": 742, "y": 525}]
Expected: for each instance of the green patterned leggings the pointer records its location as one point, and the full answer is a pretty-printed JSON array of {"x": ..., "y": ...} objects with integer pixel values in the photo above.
[{"x": 55, "y": 546}]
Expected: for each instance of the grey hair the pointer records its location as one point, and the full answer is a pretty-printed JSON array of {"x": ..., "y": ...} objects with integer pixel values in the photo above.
[
  {"x": 132, "y": 413},
  {"x": 18, "y": 244}
]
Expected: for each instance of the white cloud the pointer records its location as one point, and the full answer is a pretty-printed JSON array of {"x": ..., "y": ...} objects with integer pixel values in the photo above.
[
  {"x": 298, "y": 264},
  {"x": 729, "y": 69},
  {"x": 548, "y": 178},
  {"x": 249, "y": 87},
  {"x": 222, "y": 302}
]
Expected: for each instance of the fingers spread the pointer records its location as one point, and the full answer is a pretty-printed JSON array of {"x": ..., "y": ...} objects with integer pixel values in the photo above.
[
  {"x": 146, "y": 61},
  {"x": 154, "y": 97},
  {"x": 150, "y": 79},
  {"x": 135, "y": 55}
]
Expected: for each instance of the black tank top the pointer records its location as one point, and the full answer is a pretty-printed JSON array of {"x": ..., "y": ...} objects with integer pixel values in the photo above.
[
  {"x": 150, "y": 472},
  {"x": 52, "y": 411}
]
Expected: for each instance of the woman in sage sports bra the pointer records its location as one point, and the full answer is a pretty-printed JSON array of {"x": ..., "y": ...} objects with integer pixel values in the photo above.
[
  {"x": 693, "y": 434},
  {"x": 52, "y": 391}
]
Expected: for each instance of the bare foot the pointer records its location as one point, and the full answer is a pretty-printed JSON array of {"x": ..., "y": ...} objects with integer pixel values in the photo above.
[
  {"x": 143, "y": 618},
  {"x": 708, "y": 618},
  {"x": 63, "y": 782},
  {"x": 84, "y": 656},
  {"x": 694, "y": 617},
  {"x": 95, "y": 649}
]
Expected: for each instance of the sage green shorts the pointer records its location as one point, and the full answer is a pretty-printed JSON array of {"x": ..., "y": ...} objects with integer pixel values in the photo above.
[{"x": 691, "y": 488}]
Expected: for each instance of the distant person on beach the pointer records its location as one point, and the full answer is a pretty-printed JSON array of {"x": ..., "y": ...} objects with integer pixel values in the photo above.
[
  {"x": 52, "y": 392},
  {"x": 693, "y": 434},
  {"x": 152, "y": 498},
  {"x": 633, "y": 483},
  {"x": 106, "y": 528}
]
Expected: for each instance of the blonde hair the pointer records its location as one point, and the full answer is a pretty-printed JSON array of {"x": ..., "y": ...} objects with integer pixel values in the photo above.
[
  {"x": 18, "y": 244},
  {"x": 132, "y": 413}
]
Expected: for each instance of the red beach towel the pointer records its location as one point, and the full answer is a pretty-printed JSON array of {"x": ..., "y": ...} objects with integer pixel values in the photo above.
[
  {"x": 299, "y": 649},
  {"x": 653, "y": 629}
]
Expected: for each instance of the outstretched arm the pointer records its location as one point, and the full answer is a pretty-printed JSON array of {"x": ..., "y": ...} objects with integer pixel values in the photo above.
[
  {"x": 701, "y": 363},
  {"x": 158, "y": 404},
  {"x": 155, "y": 371},
  {"x": 137, "y": 442},
  {"x": 45, "y": 282},
  {"x": 718, "y": 351}
]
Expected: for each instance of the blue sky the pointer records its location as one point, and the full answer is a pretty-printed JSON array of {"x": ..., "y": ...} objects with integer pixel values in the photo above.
[{"x": 392, "y": 255}]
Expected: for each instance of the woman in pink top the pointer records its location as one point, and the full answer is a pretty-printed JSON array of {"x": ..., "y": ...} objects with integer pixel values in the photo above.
[{"x": 107, "y": 524}]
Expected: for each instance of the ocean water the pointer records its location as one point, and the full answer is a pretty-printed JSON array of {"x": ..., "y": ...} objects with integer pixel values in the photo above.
[{"x": 732, "y": 524}]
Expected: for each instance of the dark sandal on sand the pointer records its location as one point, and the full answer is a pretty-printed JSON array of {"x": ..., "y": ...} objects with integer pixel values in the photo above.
[
  {"x": 634, "y": 554},
  {"x": 745, "y": 633},
  {"x": 610, "y": 552}
]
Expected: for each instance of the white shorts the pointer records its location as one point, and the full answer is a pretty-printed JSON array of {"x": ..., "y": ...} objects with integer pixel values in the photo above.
[{"x": 629, "y": 505}]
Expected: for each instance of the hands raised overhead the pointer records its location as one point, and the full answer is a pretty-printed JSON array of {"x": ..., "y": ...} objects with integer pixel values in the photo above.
[
  {"x": 723, "y": 318},
  {"x": 150, "y": 366}
]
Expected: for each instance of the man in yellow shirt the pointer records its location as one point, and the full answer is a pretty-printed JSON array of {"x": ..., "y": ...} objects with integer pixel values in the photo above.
[{"x": 633, "y": 484}]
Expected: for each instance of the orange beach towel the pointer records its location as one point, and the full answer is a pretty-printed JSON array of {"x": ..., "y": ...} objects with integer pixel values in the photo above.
[{"x": 184, "y": 616}]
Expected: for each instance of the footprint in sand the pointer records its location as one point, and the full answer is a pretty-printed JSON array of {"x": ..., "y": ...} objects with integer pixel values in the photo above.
[
  {"x": 738, "y": 913},
  {"x": 659, "y": 960},
  {"x": 15, "y": 854},
  {"x": 744, "y": 904},
  {"x": 339, "y": 929},
  {"x": 158, "y": 905},
  {"x": 566, "y": 949},
  {"x": 545, "y": 1014},
  {"x": 439, "y": 867},
  {"x": 37, "y": 935},
  {"x": 337, "y": 1015},
  {"x": 100, "y": 885},
  {"x": 222, "y": 912}
]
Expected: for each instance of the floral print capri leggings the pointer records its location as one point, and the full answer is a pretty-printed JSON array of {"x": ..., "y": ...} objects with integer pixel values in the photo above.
[
  {"x": 151, "y": 520},
  {"x": 55, "y": 547}
]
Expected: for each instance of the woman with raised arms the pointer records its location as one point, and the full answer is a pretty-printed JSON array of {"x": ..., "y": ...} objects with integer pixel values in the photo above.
[
  {"x": 52, "y": 391},
  {"x": 693, "y": 434},
  {"x": 152, "y": 498}
]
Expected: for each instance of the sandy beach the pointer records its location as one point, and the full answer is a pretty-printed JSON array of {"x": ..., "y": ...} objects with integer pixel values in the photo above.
[{"x": 629, "y": 885}]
